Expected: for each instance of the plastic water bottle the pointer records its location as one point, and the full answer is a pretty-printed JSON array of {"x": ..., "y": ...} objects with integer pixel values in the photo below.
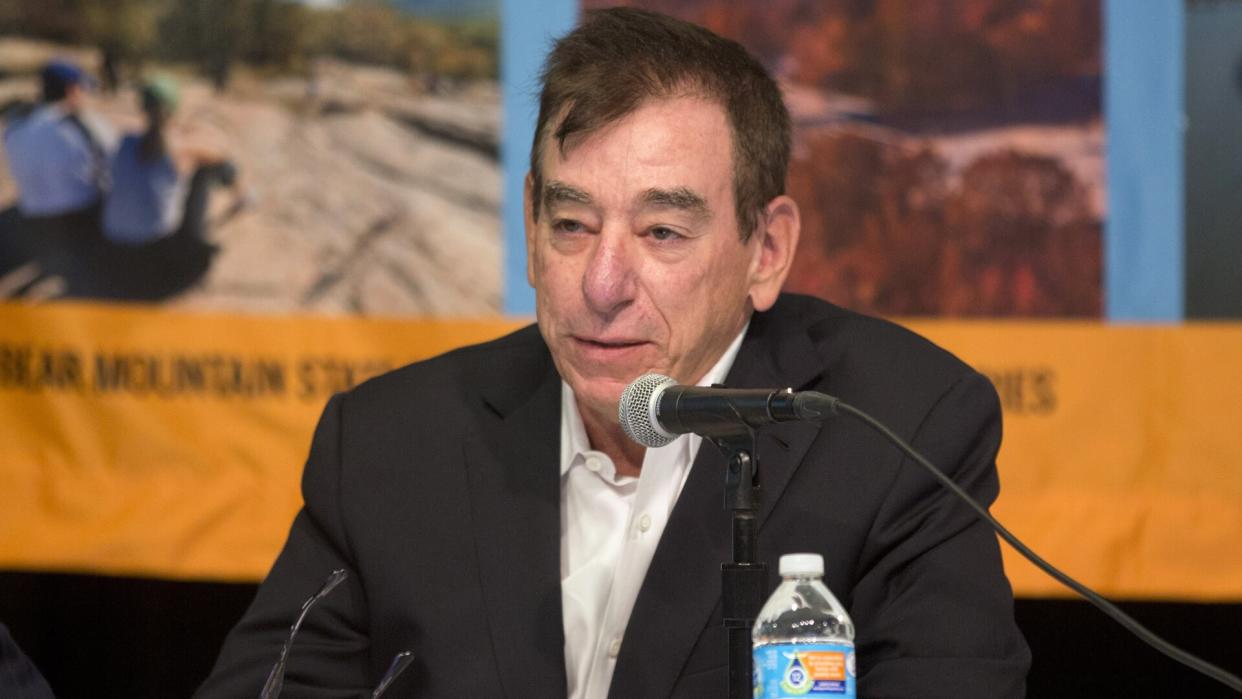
[{"x": 803, "y": 638}]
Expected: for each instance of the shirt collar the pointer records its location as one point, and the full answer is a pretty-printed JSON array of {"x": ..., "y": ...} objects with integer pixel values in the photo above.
[
  {"x": 574, "y": 441},
  {"x": 50, "y": 111}
]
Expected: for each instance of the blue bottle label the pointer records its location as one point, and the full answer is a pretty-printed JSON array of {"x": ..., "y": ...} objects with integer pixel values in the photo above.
[{"x": 805, "y": 670}]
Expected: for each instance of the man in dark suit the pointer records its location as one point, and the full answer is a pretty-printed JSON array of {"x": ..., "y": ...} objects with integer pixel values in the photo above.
[{"x": 495, "y": 520}]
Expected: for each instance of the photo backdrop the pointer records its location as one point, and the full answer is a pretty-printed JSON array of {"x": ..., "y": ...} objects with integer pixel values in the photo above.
[{"x": 1004, "y": 176}]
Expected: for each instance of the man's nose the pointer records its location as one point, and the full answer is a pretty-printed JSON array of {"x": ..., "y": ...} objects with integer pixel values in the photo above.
[{"x": 608, "y": 283}]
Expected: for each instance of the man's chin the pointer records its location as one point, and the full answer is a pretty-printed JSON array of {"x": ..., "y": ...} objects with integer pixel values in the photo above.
[
  {"x": 610, "y": 376},
  {"x": 599, "y": 384},
  {"x": 600, "y": 395}
]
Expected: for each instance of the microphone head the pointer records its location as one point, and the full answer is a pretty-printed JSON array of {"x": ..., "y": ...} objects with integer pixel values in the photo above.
[{"x": 637, "y": 410}]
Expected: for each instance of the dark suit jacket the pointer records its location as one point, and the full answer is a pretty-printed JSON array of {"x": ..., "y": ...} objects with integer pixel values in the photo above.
[
  {"x": 19, "y": 678},
  {"x": 437, "y": 486}
]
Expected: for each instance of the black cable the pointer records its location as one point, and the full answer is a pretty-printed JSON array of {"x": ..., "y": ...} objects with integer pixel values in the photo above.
[{"x": 1191, "y": 661}]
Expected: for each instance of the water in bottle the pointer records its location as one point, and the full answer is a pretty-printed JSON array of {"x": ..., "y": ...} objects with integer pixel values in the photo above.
[{"x": 803, "y": 638}]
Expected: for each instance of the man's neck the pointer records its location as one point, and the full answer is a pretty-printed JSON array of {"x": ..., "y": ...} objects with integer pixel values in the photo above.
[{"x": 606, "y": 435}]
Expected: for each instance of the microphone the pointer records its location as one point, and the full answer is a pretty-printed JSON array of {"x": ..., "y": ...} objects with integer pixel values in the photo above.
[
  {"x": 400, "y": 662},
  {"x": 276, "y": 677},
  {"x": 654, "y": 409}
]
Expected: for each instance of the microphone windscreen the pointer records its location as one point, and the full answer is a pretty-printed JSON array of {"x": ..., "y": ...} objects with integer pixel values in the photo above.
[{"x": 637, "y": 410}]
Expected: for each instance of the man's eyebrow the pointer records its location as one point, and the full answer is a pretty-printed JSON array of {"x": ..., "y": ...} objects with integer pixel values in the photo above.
[
  {"x": 680, "y": 198},
  {"x": 555, "y": 192}
]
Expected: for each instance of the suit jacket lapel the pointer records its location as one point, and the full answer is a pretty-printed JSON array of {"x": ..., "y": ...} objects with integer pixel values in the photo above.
[
  {"x": 682, "y": 586},
  {"x": 515, "y": 507},
  {"x": 781, "y": 356}
]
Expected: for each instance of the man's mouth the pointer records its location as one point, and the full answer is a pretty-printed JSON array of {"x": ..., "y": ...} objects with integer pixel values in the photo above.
[{"x": 605, "y": 344}]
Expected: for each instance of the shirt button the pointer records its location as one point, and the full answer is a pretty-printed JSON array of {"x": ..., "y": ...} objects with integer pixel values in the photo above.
[
  {"x": 614, "y": 648},
  {"x": 644, "y": 523},
  {"x": 592, "y": 463}
]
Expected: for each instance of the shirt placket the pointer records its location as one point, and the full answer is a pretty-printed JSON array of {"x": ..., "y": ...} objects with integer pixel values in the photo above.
[{"x": 641, "y": 537}]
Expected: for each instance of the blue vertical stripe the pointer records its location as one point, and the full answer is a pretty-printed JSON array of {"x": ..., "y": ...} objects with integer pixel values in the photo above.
[
  {"x": 1143, "y": 103},
  {"x": 527, "y": 30}
]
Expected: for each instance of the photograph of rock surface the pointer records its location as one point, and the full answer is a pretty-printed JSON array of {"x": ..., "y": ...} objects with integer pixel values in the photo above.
[
  {"x": 948, "y": 154},
  {"x": 361, "y": 139}
]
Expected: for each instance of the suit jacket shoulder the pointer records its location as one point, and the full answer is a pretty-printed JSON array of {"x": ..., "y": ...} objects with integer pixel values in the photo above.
[
  {"x": 430, "y": 484},
  {"x": 511, "y": 365},
  {"x": 875, "y": 364}
]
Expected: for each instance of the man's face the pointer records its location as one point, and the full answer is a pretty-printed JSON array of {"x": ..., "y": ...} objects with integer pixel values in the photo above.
[
  {"x": 75, "y": 98},
  {"x": 636, "y": 258}
]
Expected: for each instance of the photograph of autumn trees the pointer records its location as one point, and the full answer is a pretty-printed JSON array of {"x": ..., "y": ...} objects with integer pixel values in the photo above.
[{"x": 949, "y": 154}]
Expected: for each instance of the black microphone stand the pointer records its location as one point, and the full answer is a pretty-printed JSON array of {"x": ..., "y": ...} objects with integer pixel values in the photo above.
[{"x": 744, "y": 582}]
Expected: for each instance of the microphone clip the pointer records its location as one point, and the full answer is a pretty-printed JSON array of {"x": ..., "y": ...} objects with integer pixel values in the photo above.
[{"x": 743, "y": 492}]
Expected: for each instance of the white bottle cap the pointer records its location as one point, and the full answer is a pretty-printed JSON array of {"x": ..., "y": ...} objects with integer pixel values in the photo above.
[{"x": 802, "y": 564}]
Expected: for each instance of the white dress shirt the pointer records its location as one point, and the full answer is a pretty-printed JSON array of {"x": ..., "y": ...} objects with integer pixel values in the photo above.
[{"x": 610, "y": 526}]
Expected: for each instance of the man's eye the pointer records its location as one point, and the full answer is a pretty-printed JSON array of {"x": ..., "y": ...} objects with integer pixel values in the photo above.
[
  {"x": 565, "y": 225},
  {"x": 662, "y": 233}
]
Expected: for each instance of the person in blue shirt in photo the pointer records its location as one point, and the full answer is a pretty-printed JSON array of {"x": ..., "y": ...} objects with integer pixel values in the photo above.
[
  {"x": 155, "y": 216},
  {"x": 58, "y": 153}
]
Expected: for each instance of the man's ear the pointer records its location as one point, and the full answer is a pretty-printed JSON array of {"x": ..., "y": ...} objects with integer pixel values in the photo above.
[
  {"x": 777, "y": 234},
  {"x": 528, "y": 206}
]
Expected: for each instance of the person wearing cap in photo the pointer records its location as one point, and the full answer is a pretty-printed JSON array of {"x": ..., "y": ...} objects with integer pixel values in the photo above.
[
  {"x": 58, "y": 153},
  {"x": 161, "y": 183}
]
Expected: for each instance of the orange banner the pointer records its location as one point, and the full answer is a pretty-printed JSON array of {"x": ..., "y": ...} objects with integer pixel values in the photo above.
[
  {"x": 1122, "y": 458},
  {"x": 142, "y": 441}
]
